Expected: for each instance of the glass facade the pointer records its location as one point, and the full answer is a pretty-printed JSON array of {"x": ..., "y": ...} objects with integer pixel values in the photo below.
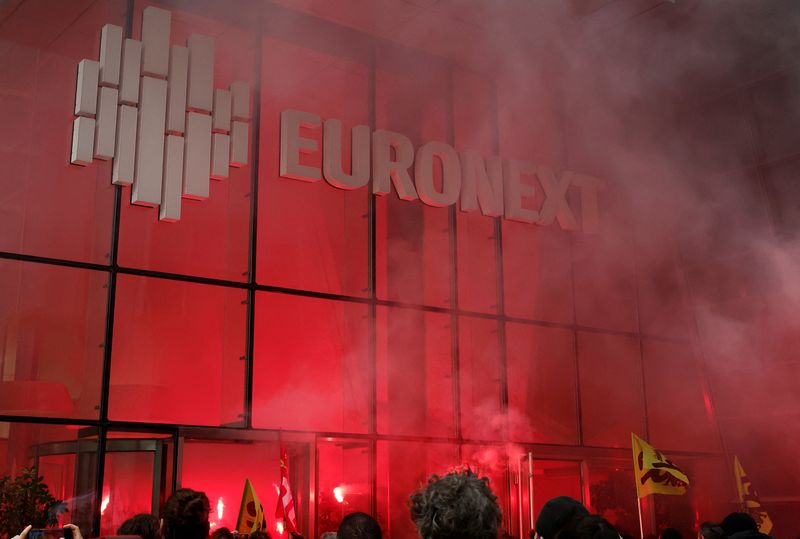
[{"x": 379, "y": 340}]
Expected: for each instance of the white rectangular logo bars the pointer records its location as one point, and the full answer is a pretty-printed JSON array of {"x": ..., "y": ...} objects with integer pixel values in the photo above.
[{"x": 153, "y": 109}]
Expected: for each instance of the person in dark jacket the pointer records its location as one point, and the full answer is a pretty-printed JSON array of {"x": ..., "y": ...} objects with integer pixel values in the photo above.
[{"x": 741, "y": 526}]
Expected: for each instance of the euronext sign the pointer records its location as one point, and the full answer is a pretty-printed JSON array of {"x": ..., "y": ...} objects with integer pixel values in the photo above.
[
  {"x": 151, "y": 107},
  {"x": 494, "y": 186}
]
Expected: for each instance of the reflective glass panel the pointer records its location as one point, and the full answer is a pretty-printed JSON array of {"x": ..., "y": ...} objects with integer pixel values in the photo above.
[
  {"x": 311, "y": 370},
  {"x": 178, "y": 352},
  {"x": 52, "y": 330},
  {"x": 414, "y": 373}
]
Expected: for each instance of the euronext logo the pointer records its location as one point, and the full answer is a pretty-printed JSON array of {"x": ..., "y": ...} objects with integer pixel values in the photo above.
[{"x": 152, "y": 108}]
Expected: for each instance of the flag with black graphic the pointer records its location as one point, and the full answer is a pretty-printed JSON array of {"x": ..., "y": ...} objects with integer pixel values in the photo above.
[
  {"x": 749, "y": 498},
  {"x": 251, "y": 513},
  {"x": 655, "y": 474}
]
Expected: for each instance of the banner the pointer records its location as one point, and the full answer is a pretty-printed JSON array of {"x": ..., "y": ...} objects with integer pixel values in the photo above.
[
  {"x": 284, "y": 512},
  {"x": 251, "y": 513},
  {"x": 749, "y": 498},
  {"x": 654, "y": 473}
]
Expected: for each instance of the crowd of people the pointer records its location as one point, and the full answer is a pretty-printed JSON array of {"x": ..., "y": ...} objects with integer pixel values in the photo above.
[{"x": 458, "y": 505}]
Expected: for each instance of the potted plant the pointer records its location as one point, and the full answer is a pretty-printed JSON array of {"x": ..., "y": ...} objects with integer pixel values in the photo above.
[{"x": 25, "y": 500}]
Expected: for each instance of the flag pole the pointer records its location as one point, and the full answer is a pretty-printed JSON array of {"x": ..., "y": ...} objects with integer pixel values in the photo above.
[
  {"x": 639, "y": 507},
  {"x": 636, "y": 485}
]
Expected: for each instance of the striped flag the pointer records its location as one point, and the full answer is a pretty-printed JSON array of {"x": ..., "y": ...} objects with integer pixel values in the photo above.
[{"x": 284, "y": 512}]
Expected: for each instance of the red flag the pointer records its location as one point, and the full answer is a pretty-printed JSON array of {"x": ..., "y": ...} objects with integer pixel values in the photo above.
[{"x": 285, "y": 509}]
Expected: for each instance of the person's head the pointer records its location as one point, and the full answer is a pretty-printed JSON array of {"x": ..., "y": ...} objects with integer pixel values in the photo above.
[
  {"x": 328, "y": 535},
  {"x": 186, "y": 515},
  {"x": 557, "y": 513},
  {"x": 144, "y": 525},
  {"x": 459, "y": 504},
  {"x": 587, "y": 527},
  {"x": 738, "y": 522},
  {"x": 710, "y": 530},
  {"x": 358, "y": 526},
  {"x": 670, "y": 533},
  {"x": 260, "y": 534},
  {"x": 222, "y": 533}
]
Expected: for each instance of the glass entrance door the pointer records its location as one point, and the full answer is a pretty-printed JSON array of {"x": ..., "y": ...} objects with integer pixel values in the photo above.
[{"x": 538, "y": 480}]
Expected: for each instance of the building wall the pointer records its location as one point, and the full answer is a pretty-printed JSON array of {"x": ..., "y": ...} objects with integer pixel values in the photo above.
[{"x": 380, "y": 340}]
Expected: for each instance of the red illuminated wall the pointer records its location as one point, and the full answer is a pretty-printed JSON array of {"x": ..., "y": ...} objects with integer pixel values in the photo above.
[{"x": 379, "y": 340}]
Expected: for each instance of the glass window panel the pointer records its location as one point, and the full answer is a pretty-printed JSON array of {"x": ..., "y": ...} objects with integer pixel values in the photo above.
[
  {"x": 781, "y": 180},
  {"x": 343, "y": 483},
  {"x": 66, "y": 457},
  {"x": 553, "y": 478},
  {"x": 177, "y": 354},
  {"x": 776, "y": 116},
  {"x": 52, "y": 329},
  {"x": 537, "y": 272},
  {"x": 534, "y": 484},
  {"x": 59, "y": 473},
  {"x": 477, "y": 278},
  {"x": 473, "y": 103},
  {"x": 491, "y": 461},
  {"x": 49, "y": 207},
  {"x": 536, "y": 260},
  {"x": 412, "y": 239},
  {"x": 310, "y": 367},
  {"x": 708, "y": 498},
  {"x": 723, "y": 137},
  {"x": 212, "y": 237},
  {"x": 402, "y": 468},
  {"x": 137, "y": 477},
  {"x": 604, "y": 269},
  {"x": 128, "y": 488},
  {"x": 219, "y": 468},
  {"x": 414, "y": 373},
  {"x": 612, "y": 493},
  {"x": 530, "y": 127},
  {"x": 676, "y": 390},
  {"x": 749, "y": 423},
  {"x": 541, "y": 384},
  {"x": 412, "y": 252},
  {"x": 664, "y": 307},
  {"x": 311, "y": 235},
  {"x": 480, "y": 376},
  {"x": 612, "y": 398},
  {"x": 727, "y": 234}
]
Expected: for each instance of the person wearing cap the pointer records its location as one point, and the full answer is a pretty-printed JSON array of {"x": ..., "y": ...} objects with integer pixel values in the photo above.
[{"x": 555, "y": 514}]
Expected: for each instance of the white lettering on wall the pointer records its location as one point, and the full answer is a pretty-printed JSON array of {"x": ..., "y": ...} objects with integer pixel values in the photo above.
[
  {"x": 293, "y": 144},
  {"x": 332, "y": 156},
  {"x": 516, "y": 191},
  {"x": 424, "y": 174},
  {"x": 481, "y": 184},
  {"x": 388, "y": 170},
  {"x": 442, "y": 176}
]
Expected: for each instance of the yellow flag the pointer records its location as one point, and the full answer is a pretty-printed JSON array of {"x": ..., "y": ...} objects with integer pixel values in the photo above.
[
  {"x": 749, "y": 498},
  {"x": 654, "y": 473},
  {"x": 251, "y": 514}
]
